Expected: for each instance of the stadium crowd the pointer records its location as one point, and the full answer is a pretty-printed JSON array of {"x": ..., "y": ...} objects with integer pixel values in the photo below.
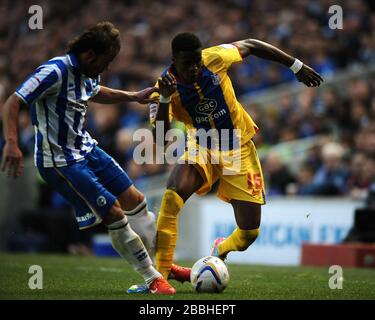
[{"x": 345, "y": 166}]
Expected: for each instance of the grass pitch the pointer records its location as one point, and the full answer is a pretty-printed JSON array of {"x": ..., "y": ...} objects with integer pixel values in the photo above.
[{"x": 75, "y": 278}]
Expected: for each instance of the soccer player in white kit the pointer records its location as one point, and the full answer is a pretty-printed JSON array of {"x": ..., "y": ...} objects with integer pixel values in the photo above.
[{"x": 69, "y": 159}]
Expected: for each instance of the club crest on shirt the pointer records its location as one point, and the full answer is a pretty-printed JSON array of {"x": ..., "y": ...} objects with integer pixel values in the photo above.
[{"x": 215, "y": 79}]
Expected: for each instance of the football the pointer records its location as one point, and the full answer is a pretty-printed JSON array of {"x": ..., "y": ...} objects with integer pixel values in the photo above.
[{"x": 209, "y": 274}]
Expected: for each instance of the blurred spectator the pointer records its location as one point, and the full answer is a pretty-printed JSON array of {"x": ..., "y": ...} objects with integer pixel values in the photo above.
[
  {"x": 365, "y": 140},
  {"x": 345, "y": 111},
  {"x": 331, "y": 177},
  {"x": 277, "y": 175},
  {"x": 301, "y": 30},
  {"x": 362, "y": 174},
  {"x": 303, "y": 182}
]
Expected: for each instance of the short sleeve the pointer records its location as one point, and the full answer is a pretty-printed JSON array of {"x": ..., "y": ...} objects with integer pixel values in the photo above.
[
  {"x": 222, "y": 56},
  {"x": 43, "y": 81},
  {"x": 95, "y": 86}
]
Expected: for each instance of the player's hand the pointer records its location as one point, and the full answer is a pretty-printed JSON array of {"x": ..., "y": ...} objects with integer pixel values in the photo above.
[
  {"x": 167, "y": 85},
  {"x": 309, "y": 76},
  {"x": 143, "y": 96},
  {"x": 12, "y": 162}
]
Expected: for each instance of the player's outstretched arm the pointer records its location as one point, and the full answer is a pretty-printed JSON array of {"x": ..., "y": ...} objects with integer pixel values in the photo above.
[
  {"x": 12, "y": 160},
  {"x": 108, "y": 96},
  {"x": 264, "y": 50},
  {"x": 167, "y": 86}
]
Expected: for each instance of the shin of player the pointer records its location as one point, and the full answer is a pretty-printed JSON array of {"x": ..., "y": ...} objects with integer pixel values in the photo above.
[
  {"x": 143, "y": 222},
  {"x": 129, "y": 246},
  {"x": 167, "y": 227}
]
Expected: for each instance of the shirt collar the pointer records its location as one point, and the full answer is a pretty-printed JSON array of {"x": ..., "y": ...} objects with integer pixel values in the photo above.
[{"x": 73, "y": 61}]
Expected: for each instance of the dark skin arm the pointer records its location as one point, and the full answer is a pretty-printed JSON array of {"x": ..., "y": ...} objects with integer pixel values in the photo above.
[
  {"x": 264, "y": 50},
  {"x": 167, "y": 85}
]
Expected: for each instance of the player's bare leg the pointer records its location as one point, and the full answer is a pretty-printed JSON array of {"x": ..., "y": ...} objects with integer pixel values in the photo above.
[
  {"x": 182, "y": 183},
  {"x": 129, "y": 245},
  {"x": 130, "y": 198},
  {"x": 248, "y": 217}
]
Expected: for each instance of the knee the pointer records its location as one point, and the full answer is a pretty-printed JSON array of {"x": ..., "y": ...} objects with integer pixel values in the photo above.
[
  {"x": 131, "y": 198},
  {"x": 184, "y": 180},
  {"x": 140, "y": 198},
  {"x": 134, "y": 201},
  {"x": 114, "y": 214},
  {"x": 182, "y": 188},
  {"x": 139, "y": 209}
]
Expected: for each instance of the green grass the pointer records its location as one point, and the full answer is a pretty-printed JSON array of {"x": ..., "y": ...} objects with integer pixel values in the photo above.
[{"x": 69, "y": 277}]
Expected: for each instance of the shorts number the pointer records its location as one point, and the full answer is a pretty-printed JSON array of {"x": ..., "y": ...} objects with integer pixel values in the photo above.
[{"x": 254, "y": 181}]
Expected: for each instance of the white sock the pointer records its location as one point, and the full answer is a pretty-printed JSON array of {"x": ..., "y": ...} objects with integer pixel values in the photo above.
[
  {"x": 143, "y": 222},
  {"x": 129, "y": 246}
]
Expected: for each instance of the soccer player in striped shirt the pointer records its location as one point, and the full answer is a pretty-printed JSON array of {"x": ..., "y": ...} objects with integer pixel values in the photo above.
[{"x": 69, "y": 159}]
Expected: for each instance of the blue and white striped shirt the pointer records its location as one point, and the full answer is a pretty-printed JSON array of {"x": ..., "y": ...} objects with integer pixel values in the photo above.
[{"x": 58, "y": 93}]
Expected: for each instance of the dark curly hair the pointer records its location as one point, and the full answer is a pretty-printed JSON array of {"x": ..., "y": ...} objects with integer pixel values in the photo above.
[
  {"x": 99, "y": 38},
  {"x": 185, "y": 42}
]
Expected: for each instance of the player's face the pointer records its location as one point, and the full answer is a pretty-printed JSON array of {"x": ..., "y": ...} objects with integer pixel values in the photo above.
[
  {"x": 96, "y": 64},
  {"x": 189, "y": 65}
]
